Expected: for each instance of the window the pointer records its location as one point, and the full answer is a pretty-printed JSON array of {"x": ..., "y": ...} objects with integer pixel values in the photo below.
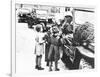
[{"x": 83, "y": 16}]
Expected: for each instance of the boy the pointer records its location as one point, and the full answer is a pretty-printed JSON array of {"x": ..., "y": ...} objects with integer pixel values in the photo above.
[{"x": 39, "y": 47}]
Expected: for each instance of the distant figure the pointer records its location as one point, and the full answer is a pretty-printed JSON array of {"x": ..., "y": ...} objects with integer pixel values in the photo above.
[{"x": 39, "y": 47}]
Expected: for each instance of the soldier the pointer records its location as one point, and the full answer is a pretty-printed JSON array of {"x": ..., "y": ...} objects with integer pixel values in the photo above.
[{"x": 67, "y": 26}]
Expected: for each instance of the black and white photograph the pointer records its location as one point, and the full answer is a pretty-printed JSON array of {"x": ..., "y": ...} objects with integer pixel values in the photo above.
[
  {"x": 50, "y": 38},
  {"x": 54, "y": 38}
]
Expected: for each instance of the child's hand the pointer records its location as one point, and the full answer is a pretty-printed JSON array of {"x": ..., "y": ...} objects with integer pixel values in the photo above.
[{"x": 40, "y": 43}]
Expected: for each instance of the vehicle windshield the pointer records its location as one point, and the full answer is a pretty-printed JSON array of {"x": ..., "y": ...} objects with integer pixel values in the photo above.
[
  {"x": 84, "y": 16},
  {"x": 24, "y": 11},
  {"x": 41, "y": 14}
]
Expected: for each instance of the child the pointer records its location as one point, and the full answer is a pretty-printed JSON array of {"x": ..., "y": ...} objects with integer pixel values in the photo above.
[
  {"x": 54, "y": 50},
  {"x": 47, "y": 46},
  {"x": 39, "y": 47}
]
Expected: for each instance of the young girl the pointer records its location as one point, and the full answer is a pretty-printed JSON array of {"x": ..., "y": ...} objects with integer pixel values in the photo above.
[{"x": 54, "y": 49}]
